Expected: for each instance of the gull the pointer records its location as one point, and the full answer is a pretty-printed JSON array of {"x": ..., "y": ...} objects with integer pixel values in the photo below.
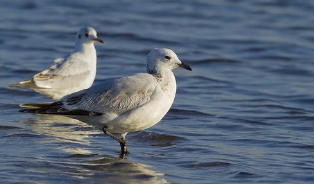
[
  {"x": 126, "y": 104},
  {"x": 70, "y": 74}
]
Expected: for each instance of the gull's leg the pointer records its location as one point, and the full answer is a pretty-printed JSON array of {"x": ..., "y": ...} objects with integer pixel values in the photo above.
[
  {"x": 122, "y": 141},
  {"x": 124, "y": 148}
]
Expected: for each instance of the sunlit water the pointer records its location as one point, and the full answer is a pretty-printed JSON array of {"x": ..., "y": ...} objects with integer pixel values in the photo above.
[{"x": 243, "y": 115}]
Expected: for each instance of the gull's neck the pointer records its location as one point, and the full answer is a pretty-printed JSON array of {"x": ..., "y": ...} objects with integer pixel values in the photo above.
[
  {"x": 87, "y": 49},
  {"x": 167, "y": 82}
]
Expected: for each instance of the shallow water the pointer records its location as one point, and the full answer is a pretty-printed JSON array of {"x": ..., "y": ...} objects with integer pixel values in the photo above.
[{"x": 243, "y": 115}]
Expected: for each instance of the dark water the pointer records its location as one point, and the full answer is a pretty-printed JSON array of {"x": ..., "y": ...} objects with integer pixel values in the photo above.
[{"x": 244, "y": 115}]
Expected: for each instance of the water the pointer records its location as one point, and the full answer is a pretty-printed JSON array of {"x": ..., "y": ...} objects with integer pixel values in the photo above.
[{"x": 243, "y": 115}]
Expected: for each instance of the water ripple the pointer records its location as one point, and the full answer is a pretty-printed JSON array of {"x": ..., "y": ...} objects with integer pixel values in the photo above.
[
  {"x": 24, "y": 135},
  {"x": 205, "y": 165},
  {"x": 155, "y": 139},
  {"x": 182, "y": 112},
  {"x": 8, "y": 128}
]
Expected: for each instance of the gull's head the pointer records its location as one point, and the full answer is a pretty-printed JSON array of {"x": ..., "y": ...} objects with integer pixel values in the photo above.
[
  {"x": 162, "y": 59},
  {"x": 87, "y": 35}
]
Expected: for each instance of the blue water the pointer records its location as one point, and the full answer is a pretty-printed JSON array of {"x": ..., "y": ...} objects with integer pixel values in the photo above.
[{"x": 243, "y": 115}]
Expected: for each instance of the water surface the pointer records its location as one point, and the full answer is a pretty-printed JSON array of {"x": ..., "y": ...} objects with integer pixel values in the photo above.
[{"x": 243, "y": 115}]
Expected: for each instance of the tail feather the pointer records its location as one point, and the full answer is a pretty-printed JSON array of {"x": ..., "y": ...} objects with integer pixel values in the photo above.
[
  {"x": 24, "y": 84},
  {"x": 39, "y": 107},
  {"x": 54, "y": 108},
  {"x": 36, "y": 105}
]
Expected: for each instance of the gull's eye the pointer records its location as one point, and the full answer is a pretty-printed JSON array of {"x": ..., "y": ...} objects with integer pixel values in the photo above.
[
  {"x": 168, "y": 57},
  {"x": 86, "y": 34}
]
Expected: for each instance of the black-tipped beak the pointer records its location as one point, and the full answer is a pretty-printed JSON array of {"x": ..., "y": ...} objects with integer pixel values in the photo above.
[
  {"x": 98, "y": 40},
  {"x": 185, "y": 66}
]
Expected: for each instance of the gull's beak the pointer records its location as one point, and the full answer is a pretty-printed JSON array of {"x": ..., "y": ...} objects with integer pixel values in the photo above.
[
  {"x": 185, "y": 66},
  {"x": 98, "y": 40}
]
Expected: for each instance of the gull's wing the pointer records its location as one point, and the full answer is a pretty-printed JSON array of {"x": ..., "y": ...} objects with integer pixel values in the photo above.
[
  {"x": 114, "y": 95},
  {"x": 62, "y": 70},
  {"x": 41, "y": 80}
]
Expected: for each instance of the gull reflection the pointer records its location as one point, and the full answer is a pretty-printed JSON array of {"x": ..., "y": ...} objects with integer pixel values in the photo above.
[
  {"x": 74, "y": 137},
  {"x": 63, "y": 129},
  {"x": 114, "y": 170}
]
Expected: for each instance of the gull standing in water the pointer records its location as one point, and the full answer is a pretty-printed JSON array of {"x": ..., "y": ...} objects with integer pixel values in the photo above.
[
  {"x": 70, "y": 74},
  {"x": 126, "y": 104}
]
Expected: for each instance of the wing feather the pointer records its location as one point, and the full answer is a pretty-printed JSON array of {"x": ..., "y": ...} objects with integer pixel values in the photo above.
[
  {"x": 114, "y": 95},
  {"x": 59, "y": 72}
]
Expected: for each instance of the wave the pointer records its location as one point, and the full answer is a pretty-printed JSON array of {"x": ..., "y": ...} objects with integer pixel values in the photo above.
[{"x": 188, "y": 112}]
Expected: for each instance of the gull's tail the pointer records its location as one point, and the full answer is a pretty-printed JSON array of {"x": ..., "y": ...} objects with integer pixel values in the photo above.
[
  {"x": 36, "y": 105},
  {"x": 24, "y": 84},
  {"x": 54, "y": 108},
  {"x": 42, "y": 108}
]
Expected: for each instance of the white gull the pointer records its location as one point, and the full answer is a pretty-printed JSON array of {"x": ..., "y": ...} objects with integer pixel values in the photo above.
[{"x": 70, "y": 74}]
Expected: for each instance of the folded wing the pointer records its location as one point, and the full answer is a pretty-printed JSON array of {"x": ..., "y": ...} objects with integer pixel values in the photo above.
[
  {"x": 114, "y": 95},
  {"x": 61, "y": 73}
]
